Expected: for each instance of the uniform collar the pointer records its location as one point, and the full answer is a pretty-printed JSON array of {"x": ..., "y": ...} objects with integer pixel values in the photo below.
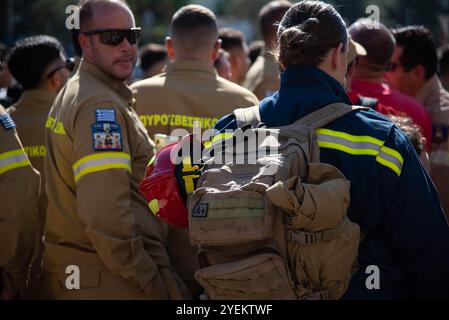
[
  {"x": 430, "y": 89},
  {"x": 191, "y": 66},
  {"x": 304, "y": 89},
  {"x": 38, "y": 98},
  {"x": 118, "y": 86}
]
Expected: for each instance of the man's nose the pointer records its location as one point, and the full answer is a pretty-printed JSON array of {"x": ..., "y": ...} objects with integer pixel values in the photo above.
[{"x": 125, "y": 45}]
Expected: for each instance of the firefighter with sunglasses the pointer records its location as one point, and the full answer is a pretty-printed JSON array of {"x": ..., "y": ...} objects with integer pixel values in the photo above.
[{"x": 99, "y": 228}]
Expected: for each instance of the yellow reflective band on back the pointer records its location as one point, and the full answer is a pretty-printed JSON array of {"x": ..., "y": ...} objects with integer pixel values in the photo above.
[
  {"x": 393, "y": 153},
  {"x": 346, "y": 149},
  {"x": 12, "y": 160},
  {"x": 101, "y": 162},
  {"x": 389, "y": 164},
  {"x": 361, "y": 146},
  {"x": 346, "y": 136}
]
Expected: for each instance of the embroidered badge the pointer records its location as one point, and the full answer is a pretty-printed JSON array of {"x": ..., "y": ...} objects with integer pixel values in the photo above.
[
  {"x": 7, "y": 122},
  {"x": 107, "y": 137},
  {"x": 201, "y": 211},
  {"x": 105, "y": 115}
]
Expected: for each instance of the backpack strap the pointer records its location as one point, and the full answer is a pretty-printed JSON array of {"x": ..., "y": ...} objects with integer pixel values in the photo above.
[
  {"x": 247, "y": 116},
  {"x": 326, "y": 115}
]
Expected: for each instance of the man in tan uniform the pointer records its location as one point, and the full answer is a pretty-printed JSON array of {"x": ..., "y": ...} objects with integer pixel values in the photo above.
[
  {"x": 190, "y": 90},
  {"x": 39, "y": 64},
  {"x": 263, "y": 76},
  {"x": 99, "y": 229},
  {"x": 19, "y": 193},
  {"x": 413, "y": 71}
]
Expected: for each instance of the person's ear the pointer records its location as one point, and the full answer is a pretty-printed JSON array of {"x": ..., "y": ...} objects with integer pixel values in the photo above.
[
  {"x": 86, "y": 46},
  {"x": 169, "y": 47},
  {"x": 216, "y": 50},
  {"x": 338, "y": 57},
  {"x": 418, "y": 73}
]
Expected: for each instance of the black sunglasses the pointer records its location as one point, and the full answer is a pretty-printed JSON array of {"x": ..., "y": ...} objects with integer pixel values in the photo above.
[
  {"x": 393, "y": 66},
  {"x": 69, "y": 65},
  {"x": 113, "y": 37}
]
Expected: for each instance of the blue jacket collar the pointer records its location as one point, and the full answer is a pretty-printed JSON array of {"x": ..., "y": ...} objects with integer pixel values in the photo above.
[{"x": 304, "y": 89}]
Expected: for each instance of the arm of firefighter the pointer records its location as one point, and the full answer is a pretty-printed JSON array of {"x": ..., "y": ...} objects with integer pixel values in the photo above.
[
  {"x": 102, "y": 168},
  {"x": 415, "y": 223},
  {"x": 19, "y": 189},
  {"x": 320, "y": 203}
]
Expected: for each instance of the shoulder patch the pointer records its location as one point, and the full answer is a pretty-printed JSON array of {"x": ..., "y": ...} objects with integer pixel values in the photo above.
[
  {"x": 107, "y": 137},
  {"x": 105, "y": 115},
  {"x": 7, "y": 122}
]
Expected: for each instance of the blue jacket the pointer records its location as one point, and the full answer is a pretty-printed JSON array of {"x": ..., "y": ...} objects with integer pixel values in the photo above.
[{"x": 392, "y": 197}]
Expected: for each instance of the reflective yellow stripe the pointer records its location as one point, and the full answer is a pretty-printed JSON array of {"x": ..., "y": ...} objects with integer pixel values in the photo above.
[
  {"x": 389, "y": 164},
  {"x": 393, "y": 153},
  {"x": 341, "y": 147},
  {"x": 101, "y": 162},
  {"x": 12, "y": 160},
  {"x": 219, "y": 137},
  {"x": 349, "y": 137},
  {"x": 361, "y": 145}
]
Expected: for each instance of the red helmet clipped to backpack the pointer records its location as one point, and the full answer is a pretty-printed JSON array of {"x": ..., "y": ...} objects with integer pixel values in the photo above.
[{"x": 167, "y": 184}]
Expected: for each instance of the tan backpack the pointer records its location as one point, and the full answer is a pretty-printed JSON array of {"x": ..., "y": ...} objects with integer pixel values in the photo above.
[{"x": 276, "y": 229}]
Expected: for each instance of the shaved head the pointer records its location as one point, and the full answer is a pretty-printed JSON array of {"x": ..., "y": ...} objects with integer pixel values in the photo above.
[
  {"x": 378, "y": 42},
  {"x": 91, "y": 12},
  {"x": 194, "y": 28}
]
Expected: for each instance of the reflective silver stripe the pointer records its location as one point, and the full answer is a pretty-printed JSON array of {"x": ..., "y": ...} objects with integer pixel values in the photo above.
[
  {"x": 12, "y": 160},
  {"x": 349, "y": 144},
  {"x": 361, "y": 145},
  {"x": 390, "y": 161},
  {"x": 100, "y": 162}
]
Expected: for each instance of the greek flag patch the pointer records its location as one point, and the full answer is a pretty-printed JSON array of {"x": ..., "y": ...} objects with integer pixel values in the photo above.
[
  {"x": 105, "y": 115},
  {"x": 7, "y": 122}
]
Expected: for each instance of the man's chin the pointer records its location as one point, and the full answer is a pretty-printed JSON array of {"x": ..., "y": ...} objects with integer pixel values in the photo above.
[{"x": 122, "y": 74}]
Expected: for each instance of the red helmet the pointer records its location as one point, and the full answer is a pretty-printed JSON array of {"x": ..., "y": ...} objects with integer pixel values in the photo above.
[{"x": 166, "y": 185}]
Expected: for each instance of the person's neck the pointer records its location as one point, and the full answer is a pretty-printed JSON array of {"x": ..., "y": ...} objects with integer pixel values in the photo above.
[
  {"x": 369, "y": 78},
  {"x": 204, "y": 60},
  {"x": 362, "y": 74}
]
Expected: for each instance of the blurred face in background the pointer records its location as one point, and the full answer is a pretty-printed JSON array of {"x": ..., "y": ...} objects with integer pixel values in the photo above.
[
  {"x": 240, "y": 63},
  {"x": 399, "y": 78},
  {"x": 116, "y": 60},
  {"x": 223, "y": 66}
]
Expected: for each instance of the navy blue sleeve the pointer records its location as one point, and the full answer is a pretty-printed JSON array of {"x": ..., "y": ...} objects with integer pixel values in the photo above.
[
  {"x": 415, "y": 225},
  {"x": 226, "y": 123}
]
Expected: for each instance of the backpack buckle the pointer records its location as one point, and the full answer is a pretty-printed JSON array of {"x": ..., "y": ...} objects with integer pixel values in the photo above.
[
  {"x": 320, "y": 295},
  {"x": 304, "y": 238}
]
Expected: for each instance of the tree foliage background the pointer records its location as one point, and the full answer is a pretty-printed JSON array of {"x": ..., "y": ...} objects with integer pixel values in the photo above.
[{"x": 21, "y": 18}]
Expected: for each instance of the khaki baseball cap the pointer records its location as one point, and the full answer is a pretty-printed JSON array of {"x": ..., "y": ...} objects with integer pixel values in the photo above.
[{"x": 355, "y": 50}]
